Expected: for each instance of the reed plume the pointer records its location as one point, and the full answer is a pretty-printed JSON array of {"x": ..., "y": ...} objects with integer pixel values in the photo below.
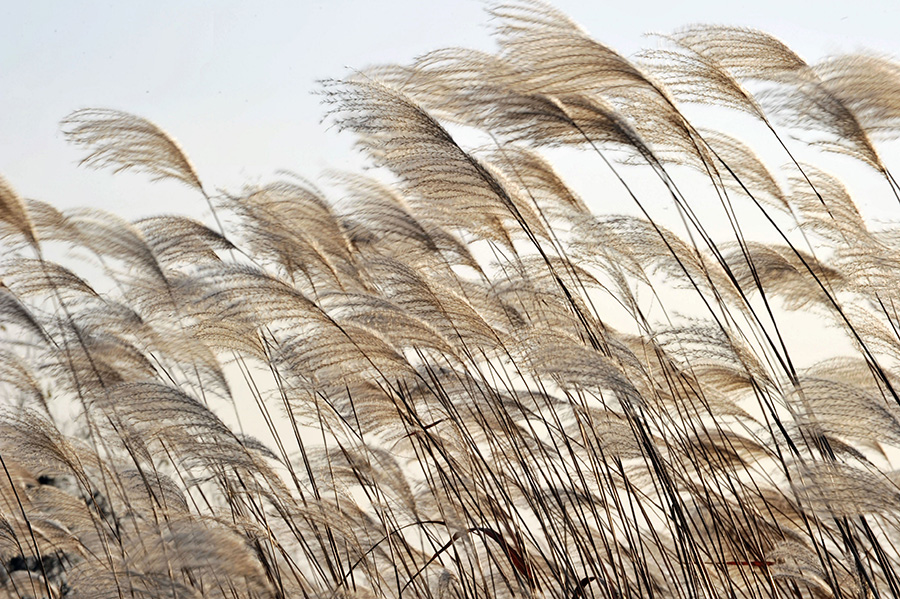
[{"x": 456, "y": 376}]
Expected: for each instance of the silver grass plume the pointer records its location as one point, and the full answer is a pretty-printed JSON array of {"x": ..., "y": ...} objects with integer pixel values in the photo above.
[{"x": 123, "y": 141}]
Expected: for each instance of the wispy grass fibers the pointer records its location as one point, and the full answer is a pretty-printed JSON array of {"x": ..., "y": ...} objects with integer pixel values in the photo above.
[{"x": 455, "y": 377}]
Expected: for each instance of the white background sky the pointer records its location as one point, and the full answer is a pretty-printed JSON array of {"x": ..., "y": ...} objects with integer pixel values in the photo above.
[{"x": 233, "y": 80}]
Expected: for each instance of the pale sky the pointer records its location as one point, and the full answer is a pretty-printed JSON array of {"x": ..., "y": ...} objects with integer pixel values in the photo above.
[{"x": 233, "y": 80}]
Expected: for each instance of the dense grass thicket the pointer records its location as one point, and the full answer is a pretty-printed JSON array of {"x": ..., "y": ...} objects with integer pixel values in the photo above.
[{"x": 449, "y": 377}]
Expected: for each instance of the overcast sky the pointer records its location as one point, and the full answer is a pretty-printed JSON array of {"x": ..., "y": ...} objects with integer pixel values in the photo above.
[{"x": 233, "y": 80}]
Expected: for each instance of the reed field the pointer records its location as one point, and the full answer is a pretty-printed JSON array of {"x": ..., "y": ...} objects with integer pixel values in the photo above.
[{"x": 452, "y": 375}]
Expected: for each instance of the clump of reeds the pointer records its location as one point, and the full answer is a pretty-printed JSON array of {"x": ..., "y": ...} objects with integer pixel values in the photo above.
[{"x": 461, "y": 381}]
